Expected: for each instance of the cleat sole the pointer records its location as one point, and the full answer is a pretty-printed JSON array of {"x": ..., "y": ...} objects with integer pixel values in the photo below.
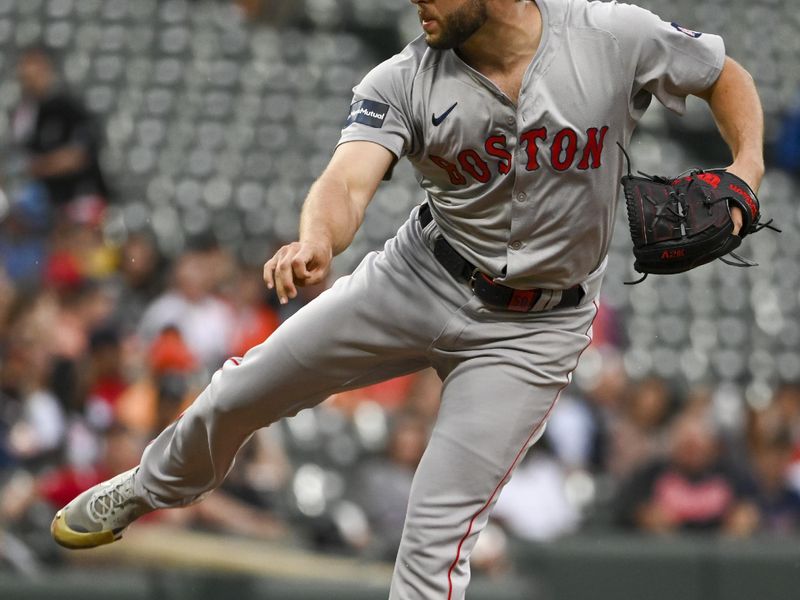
[{"x": 75, "y": 540}]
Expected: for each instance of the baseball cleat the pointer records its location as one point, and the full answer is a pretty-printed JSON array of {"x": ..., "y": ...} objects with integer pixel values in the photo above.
[{"x": 100, "y": 514}]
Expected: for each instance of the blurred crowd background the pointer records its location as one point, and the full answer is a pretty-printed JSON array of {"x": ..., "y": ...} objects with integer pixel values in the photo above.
[{"x": 154, "y": 153}]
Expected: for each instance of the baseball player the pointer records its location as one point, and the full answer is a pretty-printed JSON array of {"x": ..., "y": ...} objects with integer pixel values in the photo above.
[{"x": 509, "y": 111}]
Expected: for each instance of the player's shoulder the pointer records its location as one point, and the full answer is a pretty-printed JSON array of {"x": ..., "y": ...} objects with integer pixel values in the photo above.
[
  {"x": 615, "y": 18},
  {"x": 406, "y": 65}
]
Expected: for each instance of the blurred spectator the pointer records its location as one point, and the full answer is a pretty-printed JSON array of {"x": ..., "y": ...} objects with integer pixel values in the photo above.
[
  {"x": 787, "y": 147},
  {"x": 575, "y": 431},
  {"x": 141, "y": 279},
  {"x": 61, "y": 137},
  {"x": 254, "y": 320},
  {"x": 780, "y": 416},
  {"x": 103, "y": 380},
  {"x": 77, "y": 252},
  {"x": 218, "y": 260},
  {"x": 778, "y": 502},
  {"x": 205, "y": 322},
  {"x": 79, "y": 309},
  {"x": 534, "y": 504},
  {"x": 8, "y": 295},
  {"x": 692, "y": 490},
  {"x": 579, "y": 428},
  {"x": 636, "y": 437},
  {"x": 38, "y": 431},
  {"x": 164, "y": 390},
  {"x": 23, "y": 245},
  {"x": 35, "y": 424},
  {"x": 384, "y": 484},
  {"x": 261, "y": 472}
]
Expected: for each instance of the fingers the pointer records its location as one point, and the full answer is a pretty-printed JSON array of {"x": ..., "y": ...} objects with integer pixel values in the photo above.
[
  {"x": 284, "y": 280},
  {"x": 269, "y": 268},
  {"x": 300, "y": 264},
  {"x": 315, "y": 276},
  {"x": 275, "y": 275},
  {"x": 737, "y": 218},
  {"x": 293, "y": 265}
]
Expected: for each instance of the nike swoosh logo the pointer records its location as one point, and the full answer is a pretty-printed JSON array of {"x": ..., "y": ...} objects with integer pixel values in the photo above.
[{"x": 438, "y": 120}]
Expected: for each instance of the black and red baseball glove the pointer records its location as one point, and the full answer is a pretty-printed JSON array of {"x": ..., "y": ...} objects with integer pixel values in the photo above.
[{"x": 681, "y": 223}]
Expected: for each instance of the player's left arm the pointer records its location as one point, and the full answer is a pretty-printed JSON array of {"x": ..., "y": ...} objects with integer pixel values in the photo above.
[{"x": 736, "y": 107}]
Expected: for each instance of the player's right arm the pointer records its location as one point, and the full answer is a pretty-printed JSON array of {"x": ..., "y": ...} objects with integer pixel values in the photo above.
[
  {"x": 332, "y": 213},
  {"x": 378, "y": 132}
]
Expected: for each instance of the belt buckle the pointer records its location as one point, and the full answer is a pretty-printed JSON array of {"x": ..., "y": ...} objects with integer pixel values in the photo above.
[{"x": 524, "y": 300}]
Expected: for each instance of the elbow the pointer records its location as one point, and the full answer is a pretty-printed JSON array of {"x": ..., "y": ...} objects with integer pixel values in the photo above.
[
  {"x": 745, "y": 76},
  {"x": 732, "y": 76}
]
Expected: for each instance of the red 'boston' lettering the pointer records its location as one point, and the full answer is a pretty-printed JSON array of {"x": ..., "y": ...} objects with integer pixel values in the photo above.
[
  {"x": 530, "y": 137},
  {"x": 456, "y": 178},
  {"x": 473, "y": 164},
  {"x": 594, "y": 148},
  {"x": 496, "y": 146},
  {"x": 564, "y": 148},
  {"x": 558, "y": 149}
]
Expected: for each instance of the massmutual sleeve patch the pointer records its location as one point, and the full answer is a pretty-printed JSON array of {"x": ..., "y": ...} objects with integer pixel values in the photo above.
[
  {"x": 368, "y": 112},
  {"x": 685, "y": 31}
]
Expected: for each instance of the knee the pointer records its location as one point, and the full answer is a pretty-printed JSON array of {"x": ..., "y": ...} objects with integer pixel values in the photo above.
[
  {"x": 225, "y": 397},
  {"x": 234, "y": 396}
]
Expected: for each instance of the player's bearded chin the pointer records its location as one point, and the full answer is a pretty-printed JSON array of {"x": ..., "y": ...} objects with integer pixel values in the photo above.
[{"x": 458, "y": 26}]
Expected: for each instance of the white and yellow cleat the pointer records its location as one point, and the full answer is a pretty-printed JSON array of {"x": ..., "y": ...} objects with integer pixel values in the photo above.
[{"x": 100, "y": 514}]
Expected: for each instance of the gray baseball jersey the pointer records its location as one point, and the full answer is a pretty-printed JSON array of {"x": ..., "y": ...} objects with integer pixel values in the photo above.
[{"x": 526, "y": 189}]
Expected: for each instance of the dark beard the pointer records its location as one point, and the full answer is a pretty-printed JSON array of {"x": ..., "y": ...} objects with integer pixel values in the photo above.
[{"x": 460, "y": 25}]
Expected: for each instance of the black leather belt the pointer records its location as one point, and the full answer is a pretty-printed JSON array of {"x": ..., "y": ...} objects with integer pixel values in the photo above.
[{"x": 493, "y": 294}]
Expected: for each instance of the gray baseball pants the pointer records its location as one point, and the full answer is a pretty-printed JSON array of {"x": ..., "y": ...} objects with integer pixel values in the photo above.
[{"x": 399, "y": 312}]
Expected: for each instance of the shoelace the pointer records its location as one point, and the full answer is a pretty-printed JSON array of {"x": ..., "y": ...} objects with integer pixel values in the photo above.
[{"x": 103, "y": 505}]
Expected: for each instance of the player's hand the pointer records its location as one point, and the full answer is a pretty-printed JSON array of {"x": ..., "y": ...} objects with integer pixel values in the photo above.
[
  {"x": 737, "y": 218},
  {"x": 752, "y": 172},
  {"x": 297, "y": 264}
]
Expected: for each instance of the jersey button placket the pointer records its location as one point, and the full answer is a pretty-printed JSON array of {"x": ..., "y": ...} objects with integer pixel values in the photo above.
[{"x": 517, "y": 212}]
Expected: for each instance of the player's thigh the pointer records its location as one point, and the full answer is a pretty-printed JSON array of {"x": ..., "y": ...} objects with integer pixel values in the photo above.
[
  {"x": 499, "y": 388},
  {"x": 356, "y": 333}
]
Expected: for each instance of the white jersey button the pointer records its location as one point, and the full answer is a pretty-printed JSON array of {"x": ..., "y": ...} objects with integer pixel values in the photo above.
[
  {"x": 511, "y": 120},
  {"x": 515, "y": 245},
  {"x": 522, "y": 196}
]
